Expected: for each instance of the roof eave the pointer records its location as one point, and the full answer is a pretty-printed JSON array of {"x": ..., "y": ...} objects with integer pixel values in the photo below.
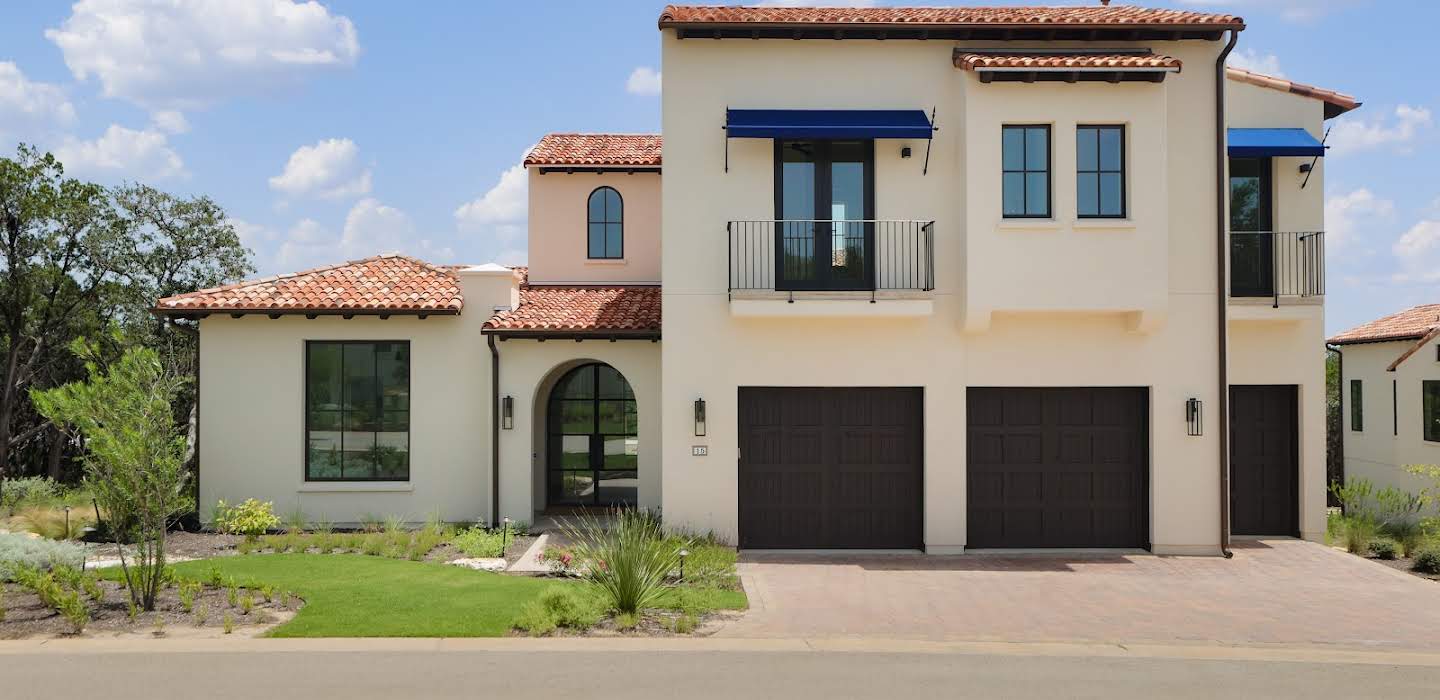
[{"x": 192, "y": 312}]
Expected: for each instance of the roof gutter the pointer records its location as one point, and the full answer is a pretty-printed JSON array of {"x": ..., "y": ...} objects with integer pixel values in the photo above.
[
  {"x": 494, "y": 431},
  {"x": 1222, "y": 292}
]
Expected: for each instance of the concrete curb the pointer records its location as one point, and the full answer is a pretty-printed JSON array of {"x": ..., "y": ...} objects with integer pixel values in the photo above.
[{"x": 1199, "y": 651}]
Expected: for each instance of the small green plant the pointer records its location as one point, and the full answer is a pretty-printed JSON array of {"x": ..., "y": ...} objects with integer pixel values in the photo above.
[
  {"x": 626, "y": 621},
  {"x": 202, "y": 614},
  {"x": 1399, "y": 514},
  {"x": 374, "y": 546},
  {"x": 245, "y": 547},
  {"x": 294, "y": 522},
  {"x": 232, "y": 595},
  {"x": 559, "y": 607},
  {"x": 1359, "y": 522},
  {"x": 1358, "y": 533},
  {"x": 628, "y": 561},
  {"x": 250, "y": 519},
  {"x": 72, "y": 607},
  {"x": 285, "y": 600},
  {"x": 29, "y": 490},
  {"x": 1383, "y": 548},
  {"x": 1427, "y": 560},
  {"x": 370, "y": 522},
  {"x": 685, "y": 623},
  {"x": 268, "y": 593},
  {"x": 322, "y": 527},
  {"x": 187, "y": 592},
  {"x": 247, "y": 603},
  {"x": 228, "y": 622},
  {"x": 93, "y": 588},
  {"x": 132, "y": 611},
  {"x": 159, "y": 623},
  {"x": 395, "y": 523},
  {"x": 213, "y": 578}
]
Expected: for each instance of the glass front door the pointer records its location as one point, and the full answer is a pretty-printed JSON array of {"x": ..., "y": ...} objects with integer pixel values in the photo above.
[
  {"x": 1251, "y": 240},
  {"x": 824, "y": 197},
  {"x": 593, "y": 448}
]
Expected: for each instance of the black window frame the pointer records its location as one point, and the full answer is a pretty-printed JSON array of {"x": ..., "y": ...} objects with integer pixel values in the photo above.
[
  {"x": 820, "y": 229},
  {"x": 1430, "y": 410},
  {"x": 1357, "y": 406},
  {"x": 605, "y": 224},
  {"x": 305, "y": 433},
  {"x": 1025, "y": 171},
  {"x": 555, "y": 434},
  {"x": 1100, "y": 170}
]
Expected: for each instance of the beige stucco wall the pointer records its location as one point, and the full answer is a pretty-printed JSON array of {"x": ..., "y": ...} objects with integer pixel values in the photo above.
[
  {"x": 1381, "y": 451},
  {"x": 557, "y": 228},
  {"x": 1061, "y": 299}
]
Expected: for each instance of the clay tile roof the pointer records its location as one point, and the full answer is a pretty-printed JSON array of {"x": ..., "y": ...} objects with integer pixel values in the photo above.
[
  {"x": 1064, "y": 61},
  {"x": 1410, "y": 324},
  {"x": 1336, "y": 103},
  {"x": 1030, "y": 17},
  {"x": 638, "y": 150},
  {"x": 574, "y": 309},
  {"x": 385, "y": 283}
]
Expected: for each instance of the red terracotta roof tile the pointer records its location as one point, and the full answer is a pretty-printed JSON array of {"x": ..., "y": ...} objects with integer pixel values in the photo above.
[
  {"x": 1337, "y": 103},
  {"x": 1030, "y": 17},
  {"x": 639, "y": 150},
  {"x": 575, "y": 309},
  {"x": 1410, "y": 324},
  {"x": 1063, "y": 61},
  {"x": 389, "y": 283}
]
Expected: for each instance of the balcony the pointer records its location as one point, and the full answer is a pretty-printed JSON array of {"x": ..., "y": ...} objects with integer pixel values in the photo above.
[
  {"x": 802, "y": 262},
  {"x": 1277, "y": 265}
]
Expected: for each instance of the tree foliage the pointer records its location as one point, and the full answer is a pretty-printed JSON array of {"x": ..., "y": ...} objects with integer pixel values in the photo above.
[{"x": 134, "y": 452}]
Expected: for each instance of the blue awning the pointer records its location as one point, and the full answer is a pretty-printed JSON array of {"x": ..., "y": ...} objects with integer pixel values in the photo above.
[
  {"x": 1273, "y": 142},
  {"x": 827, "y": 124}
]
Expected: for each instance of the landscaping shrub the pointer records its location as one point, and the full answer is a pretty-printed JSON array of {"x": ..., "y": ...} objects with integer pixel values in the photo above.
[
  {"x": 250, "y": 519},
  {"x": 559, "y": 607},
  {"x": 1383, "y": 548},
  {"x": 1358, "y": 532},
  {"x": 19, "y": 551},
  {"x": 710, "y": 564},
  {"x": 52, "y": 523},
  {"x": 481, "y": 542},
  {"x": 30, "y": 490},
  {"x": 1359, "y": 522},
  {"x": 1427, "y": 560},
  {"x": 628, "y": 561},
  {"x": 1399, "y": 513}
]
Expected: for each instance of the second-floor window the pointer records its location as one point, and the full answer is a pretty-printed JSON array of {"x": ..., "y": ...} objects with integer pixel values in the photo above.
[
  {"x": 1100, "y": 171},
  {"x": 606, "y": 224},
  {"x": 1025, "y": 169},
  {"x": 1357, "y": 406}
]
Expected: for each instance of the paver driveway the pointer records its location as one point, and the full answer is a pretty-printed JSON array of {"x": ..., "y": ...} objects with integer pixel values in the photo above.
[{"x": 1271, "y": 592}]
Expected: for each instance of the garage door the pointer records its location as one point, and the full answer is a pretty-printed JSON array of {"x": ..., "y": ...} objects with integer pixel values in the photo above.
[
  {"x": 830, "y": 468},
  {"x": 1057, "y": 467}
]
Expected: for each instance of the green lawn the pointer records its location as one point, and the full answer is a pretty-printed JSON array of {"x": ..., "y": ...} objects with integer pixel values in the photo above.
[{"x": 359, "y": 596}]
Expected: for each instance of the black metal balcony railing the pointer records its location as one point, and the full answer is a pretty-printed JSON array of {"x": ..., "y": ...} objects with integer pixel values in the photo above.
[
  {"x": 821, "y": 255},
  {"x": 1277, "y": 264}
]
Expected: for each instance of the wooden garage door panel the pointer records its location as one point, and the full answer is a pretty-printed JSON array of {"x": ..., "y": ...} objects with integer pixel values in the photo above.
[
  {"x": 1264, "y": 460},
  {"x": 1061, "y": 467},
  {"x": 830, "y": 467}
]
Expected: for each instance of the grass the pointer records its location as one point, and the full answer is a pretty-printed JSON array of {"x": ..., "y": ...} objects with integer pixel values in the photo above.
[{"x": 358, "y": 596}]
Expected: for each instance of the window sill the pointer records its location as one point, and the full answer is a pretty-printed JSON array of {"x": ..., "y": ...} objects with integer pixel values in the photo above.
[
  {"x": 1028, "y": 225},
  {"x": 606, "y": 261},
  {"x": 356, "y": 487},
  {"x": 1099, "y": 224}
]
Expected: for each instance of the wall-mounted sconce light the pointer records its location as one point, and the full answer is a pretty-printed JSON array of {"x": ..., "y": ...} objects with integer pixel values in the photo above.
[
  {"x": 1194, "y": 417},
  {"x": 507, "y": 412},
  {"x": 699, "y": 417},
  {"x": 905, "y": 152}
]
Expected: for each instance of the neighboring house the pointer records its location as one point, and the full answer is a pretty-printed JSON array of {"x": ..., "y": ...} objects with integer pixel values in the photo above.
[
  {"x": 1390, "y": 397},
  {"x": 965, "y": 287}
]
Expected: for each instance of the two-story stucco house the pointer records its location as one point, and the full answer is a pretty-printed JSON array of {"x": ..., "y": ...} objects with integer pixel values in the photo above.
[
  {"x": 1390, "y": 397},
  {"x": 932, "y": 278}
]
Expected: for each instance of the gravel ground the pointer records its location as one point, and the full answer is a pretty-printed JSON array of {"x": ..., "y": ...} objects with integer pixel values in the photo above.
[{"x": 27, "y": 617}]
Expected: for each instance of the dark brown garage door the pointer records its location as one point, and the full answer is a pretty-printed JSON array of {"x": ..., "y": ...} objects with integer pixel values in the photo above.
[
  {"x": 1057, "y": 467},
  {"x": 1264, "y": 461},
  {"x": 833, "y": 468}
]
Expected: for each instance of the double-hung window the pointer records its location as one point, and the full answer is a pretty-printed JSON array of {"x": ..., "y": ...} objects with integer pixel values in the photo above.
[
  {"x": 1100, "y": 172},
  {"x": 357, "y": 410},
  {"x": 1025, "y": 171},
  {"x": 1430, "y": 406}
]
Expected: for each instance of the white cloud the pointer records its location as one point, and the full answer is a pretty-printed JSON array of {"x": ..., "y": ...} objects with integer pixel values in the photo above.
[
  {"x": 1252, "y": 60},
  {"x": 1290, "y": 10},
  {"x": 330, "y": 169},
  {"x": 122, "y": 153},
  {"x": 643, "y": 81},
  {"x": 1345, "y": 212},
  {"x": 371, "y": 228},
  {"x": 170, "y": 121},
  {"x": 1418, "y": 253},
  {"x": 28, "y": 108},
  {"x": 1356, "y": 134},
  {"x": 166, "y": 54},
  {"x": 505, "y": 203}
]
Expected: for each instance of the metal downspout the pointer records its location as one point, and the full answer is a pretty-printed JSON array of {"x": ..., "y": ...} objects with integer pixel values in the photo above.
[
  {"x": 494, "y": 431},
  {"x": 1222, "y": 292}
]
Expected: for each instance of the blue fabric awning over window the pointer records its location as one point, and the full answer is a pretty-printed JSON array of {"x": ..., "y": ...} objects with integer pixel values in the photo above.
[
  {"x": 1273, "y": 142},
  {"x": 827, "y": 124}
]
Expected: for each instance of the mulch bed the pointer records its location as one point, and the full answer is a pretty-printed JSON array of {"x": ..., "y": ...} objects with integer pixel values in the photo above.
[
  {"x": 27, "y": 617},
  {"x": 514, "y": 549},
  {"x": 1404, "y": 564},
  {"x": 654, "y": 623},
  {"x": 205, "y": 545}
]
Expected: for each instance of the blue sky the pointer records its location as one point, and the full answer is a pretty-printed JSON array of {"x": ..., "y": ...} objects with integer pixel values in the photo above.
[{"x": 335, "y": 130}]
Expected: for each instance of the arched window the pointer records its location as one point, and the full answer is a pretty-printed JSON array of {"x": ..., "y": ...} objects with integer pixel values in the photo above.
[
  {"x": 607, "y": 225},
  {"x": 594, "y": 444}
]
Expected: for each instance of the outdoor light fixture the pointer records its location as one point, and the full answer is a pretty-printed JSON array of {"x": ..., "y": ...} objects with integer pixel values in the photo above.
[
  {"x": 905, "y": 152},
  {"x": 507, "y": 412},
  {"x": 699, "y": 417},
  {"x": 683, "y": 553},
  {"x": 1194, "y": 416},
  {"x": 504, "y": 535}
]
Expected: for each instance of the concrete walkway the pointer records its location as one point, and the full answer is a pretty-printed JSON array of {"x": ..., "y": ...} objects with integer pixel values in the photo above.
[{"x": 1282, "y": 592}]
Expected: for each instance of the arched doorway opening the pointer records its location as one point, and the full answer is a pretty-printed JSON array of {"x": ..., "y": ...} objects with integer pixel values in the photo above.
[{"x": 592, "y": 439}]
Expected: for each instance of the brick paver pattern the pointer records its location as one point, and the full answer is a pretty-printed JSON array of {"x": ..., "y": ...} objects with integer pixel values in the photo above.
[{"x": 1286, "y": 592}]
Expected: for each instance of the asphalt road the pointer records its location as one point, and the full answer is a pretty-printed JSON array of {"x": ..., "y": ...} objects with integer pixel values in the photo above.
[{"x": 642, "y": 674}]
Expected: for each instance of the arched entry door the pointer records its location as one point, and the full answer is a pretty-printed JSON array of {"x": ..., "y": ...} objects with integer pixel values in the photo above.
[{"x": 591, "y": 428}]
